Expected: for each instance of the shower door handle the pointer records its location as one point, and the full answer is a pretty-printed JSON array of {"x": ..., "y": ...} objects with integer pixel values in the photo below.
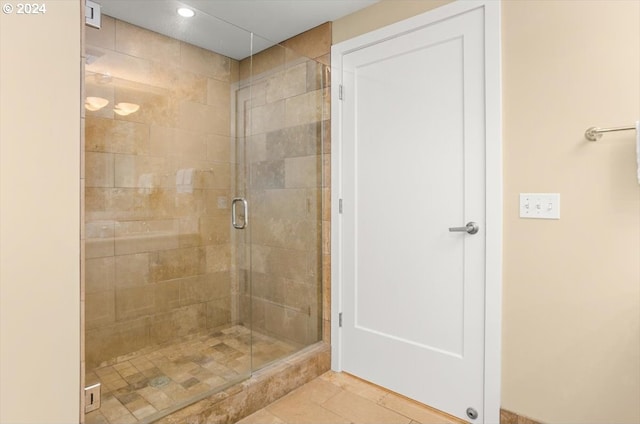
[
  {"x": 245, "y": 207},
  {"x": 470, "y": 228}
]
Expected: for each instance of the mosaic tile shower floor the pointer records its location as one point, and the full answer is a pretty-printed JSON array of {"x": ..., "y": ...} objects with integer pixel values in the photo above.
[{"x": 136, "y": 389}]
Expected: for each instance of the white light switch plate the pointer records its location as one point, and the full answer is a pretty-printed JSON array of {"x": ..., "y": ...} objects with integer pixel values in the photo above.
[{"x": 540, "y": 205}]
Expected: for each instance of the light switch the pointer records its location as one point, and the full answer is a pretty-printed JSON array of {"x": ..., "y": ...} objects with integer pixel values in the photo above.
[{"x": 540, "y": 205}]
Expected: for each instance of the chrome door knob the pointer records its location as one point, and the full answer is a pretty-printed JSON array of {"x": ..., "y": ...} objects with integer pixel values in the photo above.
[{"x": 470, "y": 228}]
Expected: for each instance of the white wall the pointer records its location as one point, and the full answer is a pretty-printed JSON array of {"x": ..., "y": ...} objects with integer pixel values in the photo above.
[{"x": 40, "y": 73}]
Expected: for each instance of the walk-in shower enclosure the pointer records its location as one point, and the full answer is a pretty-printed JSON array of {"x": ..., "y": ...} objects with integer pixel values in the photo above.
[{"x": 203, "y": 215}]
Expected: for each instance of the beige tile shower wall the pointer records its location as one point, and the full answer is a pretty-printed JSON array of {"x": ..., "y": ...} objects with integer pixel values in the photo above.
[
  {"x": 287, "y": 111},
  {"x": 158, "y": 256},
  {"x": 571, "y": 287}
]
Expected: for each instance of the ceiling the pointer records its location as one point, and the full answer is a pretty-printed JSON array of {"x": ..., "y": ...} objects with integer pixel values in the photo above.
[{"x": 225, "y": 26}]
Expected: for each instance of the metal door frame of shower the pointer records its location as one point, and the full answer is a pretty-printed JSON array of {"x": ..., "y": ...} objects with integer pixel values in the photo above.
[{"x": 493, "y": 272}]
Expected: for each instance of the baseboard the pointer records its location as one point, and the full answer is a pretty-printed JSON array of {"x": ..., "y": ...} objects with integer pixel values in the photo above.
[{"x": 508, "y": 417}]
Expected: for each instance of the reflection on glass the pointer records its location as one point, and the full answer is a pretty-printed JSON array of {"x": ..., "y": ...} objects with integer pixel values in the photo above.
[
  {"x": 124, "y": 109},
  {"x": 95, "y": 103}
]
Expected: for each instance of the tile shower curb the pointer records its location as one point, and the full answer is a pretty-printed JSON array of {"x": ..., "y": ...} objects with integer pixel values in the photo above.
[{"x": 261, "y": 389}]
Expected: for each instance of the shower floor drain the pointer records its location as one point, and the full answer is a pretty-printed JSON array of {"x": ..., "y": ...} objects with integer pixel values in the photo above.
[{"x": 159, "y": 381}]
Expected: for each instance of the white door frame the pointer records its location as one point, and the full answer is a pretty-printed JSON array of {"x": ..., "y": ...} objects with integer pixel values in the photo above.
[{"x": 493, "y": 276}]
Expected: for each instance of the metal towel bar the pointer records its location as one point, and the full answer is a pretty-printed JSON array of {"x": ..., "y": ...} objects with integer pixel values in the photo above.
[{"x": 595, "y": 133}]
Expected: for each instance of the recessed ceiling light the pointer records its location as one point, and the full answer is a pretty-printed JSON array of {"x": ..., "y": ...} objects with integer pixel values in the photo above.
[{"x": 186, "y": 12}]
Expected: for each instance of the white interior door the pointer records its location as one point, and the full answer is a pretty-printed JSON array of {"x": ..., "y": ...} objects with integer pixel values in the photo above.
[{"x": 412, "y": 166}]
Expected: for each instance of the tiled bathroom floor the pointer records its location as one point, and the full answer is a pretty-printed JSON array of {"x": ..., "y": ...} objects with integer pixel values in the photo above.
[
  {"x": 136, "y": 389},
  {"x": 335, "y": 398}
]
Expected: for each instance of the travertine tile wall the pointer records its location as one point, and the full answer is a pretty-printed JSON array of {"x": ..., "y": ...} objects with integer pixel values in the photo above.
[
  {"x": 285, "y": 118},
  {"x": 157, "y": 197}
]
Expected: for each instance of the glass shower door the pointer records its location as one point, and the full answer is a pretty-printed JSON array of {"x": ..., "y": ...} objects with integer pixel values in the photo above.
[{"x": 281, "y": 113}]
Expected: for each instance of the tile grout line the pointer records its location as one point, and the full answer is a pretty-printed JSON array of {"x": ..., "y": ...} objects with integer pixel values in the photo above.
[{"x": 411, "y": 419}]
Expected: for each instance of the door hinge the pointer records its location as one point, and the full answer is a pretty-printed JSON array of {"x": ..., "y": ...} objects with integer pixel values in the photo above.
[
  {"x": 339, "y": 205},
  {"x": 92, "y": 397},
  {"x": 92, "y": 15},
  {"x": 340, "y": 319},
  {"x": 340, "y": 94}
]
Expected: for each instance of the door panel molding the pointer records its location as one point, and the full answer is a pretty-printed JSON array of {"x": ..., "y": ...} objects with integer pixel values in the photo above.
[{"x": 492, "y": 172}]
